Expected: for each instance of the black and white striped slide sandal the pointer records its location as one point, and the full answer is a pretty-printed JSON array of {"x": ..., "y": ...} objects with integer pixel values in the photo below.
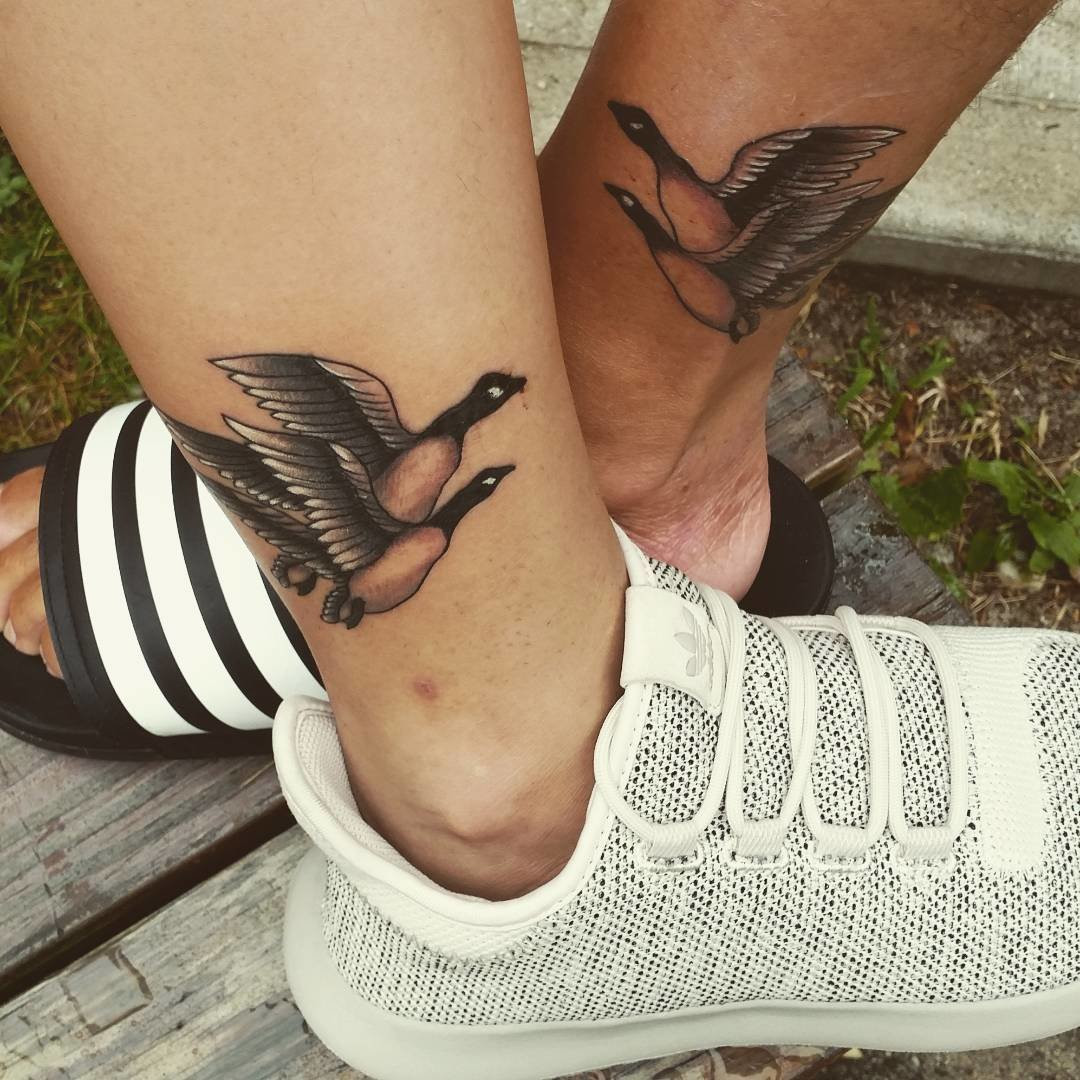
[{"x": 170, "y": 640}]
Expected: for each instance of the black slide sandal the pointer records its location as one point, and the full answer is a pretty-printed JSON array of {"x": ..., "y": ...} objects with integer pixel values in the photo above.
[
  {"x": 171, "y": 641},
  {"x": 35, "y": 706},
  {"x": 799, "y": 564},
  {"x": 127, "y": 538}
]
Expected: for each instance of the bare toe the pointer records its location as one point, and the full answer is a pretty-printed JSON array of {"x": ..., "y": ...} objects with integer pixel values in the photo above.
[
  {"x": 26, "y": 615},
  {"x": 48, "y": 654},
  {"x": 19, "y": 498},
  {"x": 18, "y": 562}
]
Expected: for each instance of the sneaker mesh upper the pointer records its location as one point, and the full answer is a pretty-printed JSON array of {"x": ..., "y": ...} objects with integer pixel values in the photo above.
[{"x": 633, "y": 941}]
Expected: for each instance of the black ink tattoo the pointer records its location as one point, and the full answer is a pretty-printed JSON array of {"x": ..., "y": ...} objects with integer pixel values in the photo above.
[
  {"x": 342, "y": 489},
  {"x": 761, "y": 235}
]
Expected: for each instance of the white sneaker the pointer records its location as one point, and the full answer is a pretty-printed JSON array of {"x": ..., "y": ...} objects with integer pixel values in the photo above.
[{"x": 832, "y": 830}]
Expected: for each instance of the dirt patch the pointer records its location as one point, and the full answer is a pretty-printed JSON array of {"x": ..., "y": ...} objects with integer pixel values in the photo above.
[{"x": 1011, "y": 392}]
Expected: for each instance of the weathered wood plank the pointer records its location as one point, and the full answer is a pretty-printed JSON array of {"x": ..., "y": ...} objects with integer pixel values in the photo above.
[
  {"x": 83, "y": 838},
  {"x": 198, "y": 990},
  {"x": 878, "y": 570},
  {"x": 803, "y": 429}
]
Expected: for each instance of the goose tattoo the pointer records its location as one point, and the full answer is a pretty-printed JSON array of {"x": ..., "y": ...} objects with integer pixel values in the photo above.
[
  {"x": 759, "y": 236},
  {"x": 341, "y": 489}
]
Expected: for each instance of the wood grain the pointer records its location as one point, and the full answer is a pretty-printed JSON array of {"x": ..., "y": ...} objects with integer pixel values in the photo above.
[
  {"x": 198, "y": 991},
  {"x": 878, "y": 570},
  {"x": 803, "y": 429},
  {"x": 81, "y": 839}
]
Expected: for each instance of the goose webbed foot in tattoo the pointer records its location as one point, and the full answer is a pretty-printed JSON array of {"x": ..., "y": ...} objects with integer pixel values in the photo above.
[
  {"x": 334, "y": 602},
  {"x": 352, "y": 611},
  {"x": 743, "y": 325},
  {"x": 290, "y": 574}
]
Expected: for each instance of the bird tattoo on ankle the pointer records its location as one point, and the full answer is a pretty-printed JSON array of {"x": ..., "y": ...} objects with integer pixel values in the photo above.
[
  {"x": 762, "y": 234},
  {"x": 341, "y": 489}
]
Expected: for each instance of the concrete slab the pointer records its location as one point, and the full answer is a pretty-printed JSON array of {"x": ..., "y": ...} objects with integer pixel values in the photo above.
[
  {"x": 551, "y": 73},
  {"x": 997, "y": 200},
  {"x": 560, "y": 22}
]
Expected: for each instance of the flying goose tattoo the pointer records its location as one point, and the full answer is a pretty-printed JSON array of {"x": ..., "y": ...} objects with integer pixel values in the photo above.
[
  {"x": 763, "y": 233},
  {"x": 341, "y": 489}
]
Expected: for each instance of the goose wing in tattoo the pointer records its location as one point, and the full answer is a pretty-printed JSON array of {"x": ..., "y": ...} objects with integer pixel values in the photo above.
[{"x": 327, "y": 400}]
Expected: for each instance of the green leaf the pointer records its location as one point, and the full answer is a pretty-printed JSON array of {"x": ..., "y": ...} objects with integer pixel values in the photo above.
[
  {"x": 863, "y": 377},
  {"x": 877, "y": 434},
  {"x": 870, "y": 342},
  {"x": 949, "y": 579},
  {"x": 889, "y": 378},
  {"x": 1012, "y": 481},
  {"x": 929, "y": 508},
  {"x": 1006, "y": 545},
  {"x": 12, "y": 182},
  {"x": 870, "y": 462},
  {"x": 1041, "y": 561},
  {"x": 1071, "y": 484},
  {"x": 940, "y": 362},
  {"x": 981, "y": 552},
  {"x": 885, "y": 428},
  {"x": 1055, "y": 535}
]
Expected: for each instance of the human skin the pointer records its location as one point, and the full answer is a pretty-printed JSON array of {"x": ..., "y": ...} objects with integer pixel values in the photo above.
[
  {"x": 345, "y": 180},
  {"x": 359, "y": 184},
  {"x": 673, "y": 411}
]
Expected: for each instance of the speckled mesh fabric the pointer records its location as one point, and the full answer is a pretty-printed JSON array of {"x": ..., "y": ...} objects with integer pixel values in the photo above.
[{"x": 994, "y": 920}]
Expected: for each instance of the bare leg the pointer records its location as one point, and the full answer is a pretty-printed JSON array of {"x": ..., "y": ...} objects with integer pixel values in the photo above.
[
  {"x": 357, "y": 182},
  {"x": 672, "y": 408},
  {"x": 671, "y": 399}
]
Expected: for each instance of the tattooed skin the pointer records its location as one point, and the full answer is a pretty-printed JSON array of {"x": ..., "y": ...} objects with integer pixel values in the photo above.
[
  {"x": 759, "y": 236},
  {"x": 341, "y": 488}
]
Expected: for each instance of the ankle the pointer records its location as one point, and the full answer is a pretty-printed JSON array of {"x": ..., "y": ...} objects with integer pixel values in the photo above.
[
  {"x": 711, "y": 517},
  {"x": 482, "y": 821},
  {"x": 482, "y": 784},
  {"x": 689, "y": 481}
]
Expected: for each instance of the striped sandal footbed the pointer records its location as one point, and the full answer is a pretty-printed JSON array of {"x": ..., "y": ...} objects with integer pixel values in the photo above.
[{"x": 172, "y": 642}]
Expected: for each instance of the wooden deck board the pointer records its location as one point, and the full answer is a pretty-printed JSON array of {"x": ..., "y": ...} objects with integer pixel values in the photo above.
[
  {"x": 878, "y": 570},
  {"x": 82, "y": 838},
  {"x": 804, "y": 430}
]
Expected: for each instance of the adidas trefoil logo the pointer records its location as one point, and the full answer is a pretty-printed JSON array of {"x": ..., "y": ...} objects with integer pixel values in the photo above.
[{"x": 694, "y": 643}]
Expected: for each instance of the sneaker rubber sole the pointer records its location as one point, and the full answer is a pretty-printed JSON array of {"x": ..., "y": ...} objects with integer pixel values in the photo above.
[{"x": 388, "y": 1047}]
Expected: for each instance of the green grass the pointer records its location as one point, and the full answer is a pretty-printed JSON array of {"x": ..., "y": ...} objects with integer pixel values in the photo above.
[
  {"x": 963, "y": 476},
  {"x": 58, "y": 357}
]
